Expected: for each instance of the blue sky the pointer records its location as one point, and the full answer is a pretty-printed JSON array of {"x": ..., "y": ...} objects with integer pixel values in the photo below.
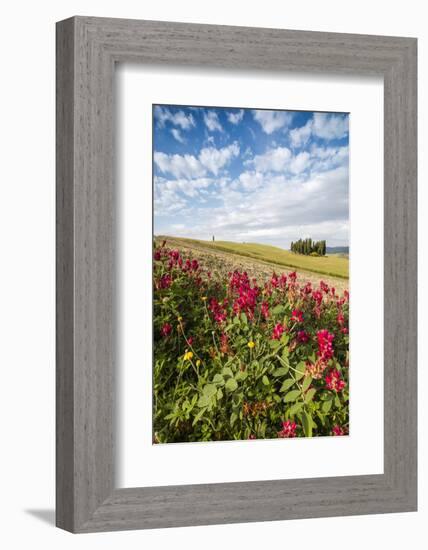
[{"x": 250, "y": 175}]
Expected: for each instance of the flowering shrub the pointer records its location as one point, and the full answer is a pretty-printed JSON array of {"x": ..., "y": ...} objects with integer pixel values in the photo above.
[{"x": 237, "y": 358}]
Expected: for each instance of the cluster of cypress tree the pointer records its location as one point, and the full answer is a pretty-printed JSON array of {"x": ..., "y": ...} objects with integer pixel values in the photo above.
[{"x": 307, "y": 247}]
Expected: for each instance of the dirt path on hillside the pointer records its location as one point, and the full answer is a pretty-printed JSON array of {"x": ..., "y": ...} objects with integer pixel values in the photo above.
[{"x": 222, "y": 262}]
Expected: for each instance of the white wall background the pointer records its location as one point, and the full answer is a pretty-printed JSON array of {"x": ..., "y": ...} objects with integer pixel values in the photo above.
[{"x": 27, "y": 270}]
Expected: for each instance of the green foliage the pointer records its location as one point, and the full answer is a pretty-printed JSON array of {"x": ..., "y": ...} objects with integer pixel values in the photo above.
[
  {"x": 308, "y": 247},
  {"x": 227, "y": 377}
]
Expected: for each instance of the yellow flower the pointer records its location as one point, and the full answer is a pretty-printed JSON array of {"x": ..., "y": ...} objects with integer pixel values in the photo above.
[
  {"x": 204, "y": 298},
  {"x": 188, "y": 355},
  {"x": 251, "y": 344},
  {"x": 198, "y": 363},
  {"x": 179, "y": 319}
]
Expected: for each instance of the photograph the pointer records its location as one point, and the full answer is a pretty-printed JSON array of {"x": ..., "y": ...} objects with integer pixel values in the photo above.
[{"x": 250, "y": 274}]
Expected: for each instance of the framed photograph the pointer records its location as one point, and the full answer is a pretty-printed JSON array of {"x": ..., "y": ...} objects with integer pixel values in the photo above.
[{"x": 236, "y": 274}]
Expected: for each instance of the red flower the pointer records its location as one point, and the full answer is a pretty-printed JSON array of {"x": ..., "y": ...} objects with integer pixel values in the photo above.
[
  {"x": 324, "y": 287},
  {"x": 157, "y": 255},
  {"x": 297, "y": 316},
  {"x": 165, "y": 281},
  {"x": 302, "y": 336},
  {"x": 252, "y": 436},
  {"x": 265, "y": 310},
  {"x": 338, "y": 430},
  {"x": 277, "y": 331},
  {"x": 288, "y": 429},
  {"x": 292, "y": 276},
  {"x": 340, "y": 319},
  {"x": 166, "y": 330},
  {"x": 218, "y": 311},
  {"x": 325, "y": 344},
  {"x": 334, "y": 380}
]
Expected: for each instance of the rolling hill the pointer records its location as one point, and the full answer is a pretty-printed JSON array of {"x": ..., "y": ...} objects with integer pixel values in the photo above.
[{"x": 335, "y": 266}]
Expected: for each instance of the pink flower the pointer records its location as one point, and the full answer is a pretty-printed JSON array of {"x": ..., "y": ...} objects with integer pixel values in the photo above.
[
  {"x": 338, "y": 430},
  {"x": 277, "y": 331},
  {"x": 157, "y": 255},
  {"x": 324, "y": 287},
  {"x": 288, "y": 429},
  {"x": 165, "y": 281},
  {"x": 265, "y": 310},
  {"x": 297, "y": 316},
  {"x": 325, "y": 344},
  {"x": 252, "y": 436},
  {"x": 334, "y": 380},
  {"x": 292, "y": 276},
  {"x": 340, "y": 319},
  {"x": 166, "y": 330},
  {"x": 302, "y": 336},
  {"x": 217, "y": 310},
  {"x": 190, "y": 340}
]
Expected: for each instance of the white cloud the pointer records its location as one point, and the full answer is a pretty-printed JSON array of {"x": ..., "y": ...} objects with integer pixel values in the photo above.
[
  {"x": 215, "y": 159},
  {"x": 212, "y": 122},
  {"x": 330, "y": 126},
  {"x": 251, "y": 181},
  {"x": 188, "y": 166},
  {"x": 273, "y": 208},
  {"x": 300, "y": 136},
  {"x": 177, "y": 135},
  {"x": 235, "y": 118},
  {"x": 322, "y": 125},
  {"x": 274, "y": 160},
  {"x": 282, "y": 160},
  {"x": 270, "y": 121},
  {"x": 162, "y": 115}
]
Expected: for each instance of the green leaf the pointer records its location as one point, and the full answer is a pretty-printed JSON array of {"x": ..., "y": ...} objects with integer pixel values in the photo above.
[
  {"x": 307, "y": 424},
  {"x": 233, "y": 418},
  {"x": 218, "y": 379},
  {"x": 326, "y": 406},
  {"x": 325, "y": 396},
  {"x": 244, "y": 318},
  {"x": 241, "y": 375},
  {"x": 286, "y": 384},
  {"x": 198, "y": 416},
  {"x": 265, "y": 380},
  {"x": 236, "y": 320},
  {"x": 219, "y": 394},
  {"x": 284, "y": 340},
  {"x": 282, "y": 371},
  {"x": 301, "y": 368},
  {"x": 227, "y": 371},
  {"x": 297, "y": 407},
  {"x": 278, "y": 310},
  {"x": 291, "y": 396},
  {"x": 274, "y": 344},
  {"x": 231, "y": 384},
  {"x": 306, "y": 383},
  {"x": 209, "y": 390},
  {"x": 337, "y": 402},
  {"x": 285, "y": 353},
  {"x": 204, "y": 401},
  {"x": 310, "y": 395}
]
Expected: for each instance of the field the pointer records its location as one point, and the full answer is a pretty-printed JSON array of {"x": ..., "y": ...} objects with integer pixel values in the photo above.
[
  {"x": 334, "y": 265},
  {"x": 243, "y": 348}
]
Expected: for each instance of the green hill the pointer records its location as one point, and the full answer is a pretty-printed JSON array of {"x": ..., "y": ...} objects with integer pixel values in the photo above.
[{"x": 335, "y": 266}]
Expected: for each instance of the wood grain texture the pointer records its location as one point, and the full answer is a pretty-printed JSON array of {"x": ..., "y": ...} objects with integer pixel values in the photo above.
[{"x": 87, "y": 49}]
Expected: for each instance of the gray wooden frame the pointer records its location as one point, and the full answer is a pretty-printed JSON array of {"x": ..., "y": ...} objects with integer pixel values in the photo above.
[{"x": 87, "y": 50}]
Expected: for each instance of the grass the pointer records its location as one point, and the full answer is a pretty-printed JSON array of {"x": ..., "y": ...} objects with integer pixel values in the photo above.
[{"x": 333, "y": 265}]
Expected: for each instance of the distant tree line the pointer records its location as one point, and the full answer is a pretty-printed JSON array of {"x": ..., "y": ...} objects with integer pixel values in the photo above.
[{"x": 308, "y": 247}]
